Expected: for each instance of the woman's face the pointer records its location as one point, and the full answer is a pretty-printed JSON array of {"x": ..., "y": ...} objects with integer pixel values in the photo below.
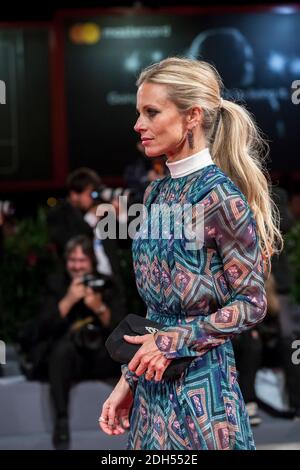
[{"x": 161, "y": 127}]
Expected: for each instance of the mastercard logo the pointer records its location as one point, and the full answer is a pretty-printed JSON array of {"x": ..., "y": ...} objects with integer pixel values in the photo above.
[{"x": 85, "y": 33}]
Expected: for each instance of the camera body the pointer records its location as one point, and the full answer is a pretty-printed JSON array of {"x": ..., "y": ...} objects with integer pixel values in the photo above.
[
  {"x": 89, "y": 334},
  {"x": 97, "y": 282},
  {"x": 107, "y": 194}
]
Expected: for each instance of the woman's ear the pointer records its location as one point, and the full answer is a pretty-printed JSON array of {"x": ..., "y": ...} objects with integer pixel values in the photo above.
[{"x": 194, "y": 117}]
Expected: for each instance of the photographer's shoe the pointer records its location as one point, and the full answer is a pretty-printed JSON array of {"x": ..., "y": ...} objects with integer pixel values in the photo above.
[{"x": 61, "y": 434}]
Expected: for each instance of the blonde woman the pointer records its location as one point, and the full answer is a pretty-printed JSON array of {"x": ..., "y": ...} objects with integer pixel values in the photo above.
[{"x": 207, "y": 295}]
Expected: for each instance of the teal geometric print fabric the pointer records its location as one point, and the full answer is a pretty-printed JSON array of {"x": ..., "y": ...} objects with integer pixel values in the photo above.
[{"x": 204, "y": 296}]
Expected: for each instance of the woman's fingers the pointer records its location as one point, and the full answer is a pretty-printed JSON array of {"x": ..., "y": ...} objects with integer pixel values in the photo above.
[
  {"x": 148, "y": 363},
  {"x": 149, "y": 374},
  {"x": 112, "y": 427},
  {"x": 136, "y": 339},
  {"x": 111, "y": 430},
  {"x": 124, "y": 418},
  {"x": 103, "y": 418},
  {"x": 115, "y": 411},
  {"x": 160, "y": 368},
  {"x": 142, "y": 367},
  {"x": 126, "y": 423},
  {"x": 135, "y": 361},
  {"x": 148, "y": 359},
  {"x": 107, "y": 418},
  {"x": 154, "y": 366},
  {"x": 111, "y": 417},
  {"x": 104, "y": 426},
  {"x": 122, "y": 421},
  {"x": 118, "y": 429}
]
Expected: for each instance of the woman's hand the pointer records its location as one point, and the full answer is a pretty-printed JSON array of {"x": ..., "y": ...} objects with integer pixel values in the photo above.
[
  {"x": 114, "y": 418},
  {"x": 148, "y": 358}
]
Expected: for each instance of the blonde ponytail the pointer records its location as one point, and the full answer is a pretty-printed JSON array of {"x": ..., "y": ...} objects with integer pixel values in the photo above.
[{"x": 239, "y": 149}]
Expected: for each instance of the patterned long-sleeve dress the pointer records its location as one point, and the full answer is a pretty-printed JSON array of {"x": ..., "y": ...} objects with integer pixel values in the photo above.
[{"x": 204, "y": 297}]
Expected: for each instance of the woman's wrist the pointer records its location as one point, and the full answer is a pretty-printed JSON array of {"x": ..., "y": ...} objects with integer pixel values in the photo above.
[{"x": 123, "y": 383}]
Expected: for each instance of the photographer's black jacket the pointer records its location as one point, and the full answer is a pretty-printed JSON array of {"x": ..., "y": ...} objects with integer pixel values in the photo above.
[
  {"x": 50, "y": 326},
  {"x": 65, "y": 222}
]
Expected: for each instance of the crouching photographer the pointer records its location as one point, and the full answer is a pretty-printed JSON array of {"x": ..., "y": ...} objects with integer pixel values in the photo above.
[{"x": 80, "y": 310}]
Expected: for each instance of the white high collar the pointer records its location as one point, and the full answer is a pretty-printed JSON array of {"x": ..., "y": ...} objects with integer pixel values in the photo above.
[{"x": 190, "y": 164}]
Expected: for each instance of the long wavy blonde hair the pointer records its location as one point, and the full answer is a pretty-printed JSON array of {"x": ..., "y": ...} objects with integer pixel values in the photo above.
[{"x": 236, "y": 144}]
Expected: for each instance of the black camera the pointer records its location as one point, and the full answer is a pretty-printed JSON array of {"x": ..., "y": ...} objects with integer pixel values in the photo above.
[
  {"x": 98, "y": 283},
  {"x": 107, "y": 194},
  {"x": 88, "y": 333}
]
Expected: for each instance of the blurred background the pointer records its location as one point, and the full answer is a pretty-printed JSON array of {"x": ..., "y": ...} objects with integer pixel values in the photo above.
[{"x": 67, "y": 94}]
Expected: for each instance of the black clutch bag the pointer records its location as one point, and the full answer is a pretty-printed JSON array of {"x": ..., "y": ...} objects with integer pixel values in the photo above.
[{"x": 134, "y": 325}]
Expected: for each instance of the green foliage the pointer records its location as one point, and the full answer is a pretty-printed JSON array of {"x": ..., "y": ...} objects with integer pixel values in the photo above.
[
  {"x": 28, "y": 259},
  {"x": 292, "y": 240}
]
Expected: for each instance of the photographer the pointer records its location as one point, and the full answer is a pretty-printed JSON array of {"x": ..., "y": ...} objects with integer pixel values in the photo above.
[
  {"x": 67, "y": 219},
  {"x": 76, "y": 215},
  {"x": 80, "y": 310}
]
